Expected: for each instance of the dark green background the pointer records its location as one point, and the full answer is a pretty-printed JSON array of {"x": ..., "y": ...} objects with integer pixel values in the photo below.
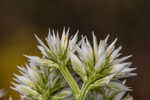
[{"x": 126, "y": 19}]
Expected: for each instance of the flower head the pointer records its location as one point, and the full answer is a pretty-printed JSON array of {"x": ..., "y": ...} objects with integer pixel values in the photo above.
[
  {"x": 113, "y": 91},
  {"x": 69, "y": 66},
  {"x": 102, "y": 59},
  {"x": 39, "y": 83},
  {"x": 58, "y": 48}
]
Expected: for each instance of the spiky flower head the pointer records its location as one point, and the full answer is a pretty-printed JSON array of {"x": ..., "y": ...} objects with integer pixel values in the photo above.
[
  {"x": 40, "y": 83},
  {"x": 101, "y": 60},
  {"x": 113, "y": 91},
  {"x": 68, "y": 64},
  {"x": 57, "y": 48}
]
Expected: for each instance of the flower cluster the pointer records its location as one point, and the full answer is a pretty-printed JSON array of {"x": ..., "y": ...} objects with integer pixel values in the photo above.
[
  {"x": 100, "y": 61},
  {"x": 113, "y": 91},
  {"x": 40, "y": 83},
  {"x": 74, "y": 70}
]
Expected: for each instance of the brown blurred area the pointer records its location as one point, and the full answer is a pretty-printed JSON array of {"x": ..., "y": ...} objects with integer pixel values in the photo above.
[{"x": 129, "y": 20}]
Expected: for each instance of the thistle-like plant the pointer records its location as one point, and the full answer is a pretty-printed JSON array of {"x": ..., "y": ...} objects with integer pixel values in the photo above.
[
  {"x": 72, "y": 69},
  {"x": 40, "y": 83}
]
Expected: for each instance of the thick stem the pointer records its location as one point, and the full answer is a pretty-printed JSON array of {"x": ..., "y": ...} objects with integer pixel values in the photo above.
[{"x": 71, "y": 81}]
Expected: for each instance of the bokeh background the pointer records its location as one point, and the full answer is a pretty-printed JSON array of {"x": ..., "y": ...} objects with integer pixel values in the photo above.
[{"x": 126, "y": 19}]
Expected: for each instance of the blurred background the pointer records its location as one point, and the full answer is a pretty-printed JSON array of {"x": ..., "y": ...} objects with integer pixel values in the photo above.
[{"x": 126, "y": 19}]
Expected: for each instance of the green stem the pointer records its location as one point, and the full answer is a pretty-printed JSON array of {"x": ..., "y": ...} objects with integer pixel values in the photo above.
[
  {"x": 84, "y": 90},
  {"x": 86, "y": 87},
  {"x": 71, "y": 81}
]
